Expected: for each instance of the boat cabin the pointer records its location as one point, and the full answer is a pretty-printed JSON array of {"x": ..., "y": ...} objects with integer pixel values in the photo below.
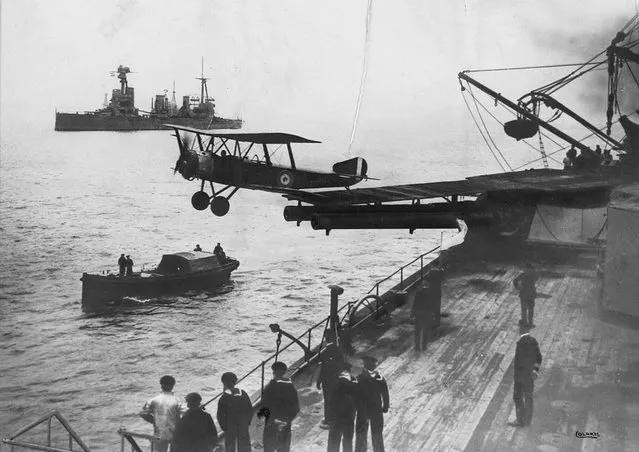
[{"x": 187, "y": 263}]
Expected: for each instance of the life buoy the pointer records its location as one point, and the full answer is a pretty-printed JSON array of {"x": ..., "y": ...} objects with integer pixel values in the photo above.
[{"x": 285, "y": 179}]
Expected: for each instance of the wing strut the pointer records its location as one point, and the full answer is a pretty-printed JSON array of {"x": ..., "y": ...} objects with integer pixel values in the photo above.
[
  {"x": 266, "y": 156},
  {"x": 290, "y": 154}
]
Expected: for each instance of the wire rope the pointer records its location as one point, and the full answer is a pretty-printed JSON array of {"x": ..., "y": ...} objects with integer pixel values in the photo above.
[
  {"x": 480, "y": 131},
  {"x": 523, "y": 68},
  {"x": 525, "y": 142},
  {"x": 545, "y": 225},
  {"x": 472, "y": 95}
]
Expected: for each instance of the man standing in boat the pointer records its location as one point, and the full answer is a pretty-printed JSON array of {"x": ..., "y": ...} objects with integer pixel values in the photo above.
[
  {"x": 372, "y": 404},
  {"x": 280, "y": 405},
  {"x": 163, "y": 411},
  {"x": 122, "y": 264},
  {"x": 525, "y": 283},
  {"x": 195, "y": 432},
  {"x": 527, "y": 362},
  {"x": 234, "y": 415},
  {"x": 129, "y": 265}
]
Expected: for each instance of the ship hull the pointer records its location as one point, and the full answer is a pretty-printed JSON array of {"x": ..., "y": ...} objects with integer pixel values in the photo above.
[
  {"x": 73, "y": 122},
  {"x": 101, "y": 293}
]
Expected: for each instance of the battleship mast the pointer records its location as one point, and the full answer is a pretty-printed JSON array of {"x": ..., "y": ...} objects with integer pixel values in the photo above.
[{"x": 203, "y": 87}]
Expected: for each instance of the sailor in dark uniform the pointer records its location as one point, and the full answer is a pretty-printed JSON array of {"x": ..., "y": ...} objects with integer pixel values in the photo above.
[
  {"x": 572, "y": 155},
  {"x": 234, "y": 415},
  {"x": 329, "y": 371},
  {"x": 527, "y": 362},
  {"x": 280, "y": 405},
  {"x": 195, "y": 431},
  {"x": 423, "y": 313},
  {"x": 373, "y": 401},
  {"x": 129, "y": 266},
  {"x": 525, "y": 282},
  {"x": 343, "y": 405},
  {"x": 122, "y": 264}
]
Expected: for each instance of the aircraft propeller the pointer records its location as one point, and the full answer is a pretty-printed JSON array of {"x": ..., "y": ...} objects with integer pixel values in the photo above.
[{"x": 184, "y": 144}]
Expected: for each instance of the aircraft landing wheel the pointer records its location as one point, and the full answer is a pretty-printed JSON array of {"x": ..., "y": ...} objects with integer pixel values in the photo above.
[
  {"x": 200, "y": 200},
  {"x": 220, "y": 206}
]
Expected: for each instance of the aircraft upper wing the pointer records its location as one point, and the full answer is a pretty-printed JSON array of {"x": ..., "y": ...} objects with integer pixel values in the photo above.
[
  {"x": 259, "y": 138},
  {"x": 523, "y": 181}
]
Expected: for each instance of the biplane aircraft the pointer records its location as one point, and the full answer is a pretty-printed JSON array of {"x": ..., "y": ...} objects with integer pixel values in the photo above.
[
  {"x": 509, "y": 203},
  {"x": 243, "y": 160}
]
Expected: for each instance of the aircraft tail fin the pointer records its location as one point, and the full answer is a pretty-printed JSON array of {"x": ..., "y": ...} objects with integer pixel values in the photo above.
[{"x": 356, "y": 166}]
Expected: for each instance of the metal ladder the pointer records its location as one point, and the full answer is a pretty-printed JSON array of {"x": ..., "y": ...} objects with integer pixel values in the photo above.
[{"x": 544, "y": 157}]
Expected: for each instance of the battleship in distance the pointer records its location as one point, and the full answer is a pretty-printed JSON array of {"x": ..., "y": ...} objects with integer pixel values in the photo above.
[{"x": 120, "y": 114}]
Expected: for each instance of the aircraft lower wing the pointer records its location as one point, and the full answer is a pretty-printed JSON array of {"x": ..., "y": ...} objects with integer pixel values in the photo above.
[
  {"x": 545, "y": 180},
  {"x": 290, "y": 193}
]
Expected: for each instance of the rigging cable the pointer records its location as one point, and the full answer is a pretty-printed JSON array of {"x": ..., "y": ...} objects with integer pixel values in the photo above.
[
  {"x": 563, "y": 81},
  {"x": 636, "y": 16},
  {"x": 545, "y": 225},
  {"x": 470, "y": 89},
  {"x": 525, "y": 142},
  {"x": 522, "y": 68},
  {"x": 603, "y": 227},
  {"x": 560, "y": 83},
  {"x": 480, "y": 131},
  {"x": 369, "y": 15},
  {"x": 633, "y": 74},
  {"x": 565, "y": 147}
]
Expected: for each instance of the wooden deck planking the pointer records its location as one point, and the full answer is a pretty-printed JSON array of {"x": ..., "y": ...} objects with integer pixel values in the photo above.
[
  {"x": 467, "y": 378},
  {"x": 581, "y": 359},
  {"x": 550, "y": 331},
  {"x": 468, "y": 419},
  {"x": 406, "y": 390},
  {"x": 436, "y": 350},
  {"x": 546, "y": 314},
  {"x": 458, "y": 394}
]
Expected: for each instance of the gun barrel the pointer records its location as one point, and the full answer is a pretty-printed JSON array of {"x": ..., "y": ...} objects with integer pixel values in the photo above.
[
  {"x": 411, "y": 220},
  {"x": 305, "y": 213}
]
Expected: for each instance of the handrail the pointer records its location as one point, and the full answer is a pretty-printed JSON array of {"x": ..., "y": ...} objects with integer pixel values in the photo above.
[
  {"x": 130, "y": 437},
  {"x": 73, "y": 436},
  {"x": 123, "y": 431},
  {"x": 401, "y": 270},
  {"x": 324, "y": 323}
]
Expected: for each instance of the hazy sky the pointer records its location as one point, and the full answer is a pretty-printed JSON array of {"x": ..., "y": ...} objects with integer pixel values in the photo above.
[{"x": 288, "y": 60}]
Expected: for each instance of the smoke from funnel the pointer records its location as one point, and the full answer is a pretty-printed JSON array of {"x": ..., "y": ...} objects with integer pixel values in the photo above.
[{"x": 592, "y": 90}]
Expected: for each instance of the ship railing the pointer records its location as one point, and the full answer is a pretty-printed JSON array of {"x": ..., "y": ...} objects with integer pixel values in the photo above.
[
  {"x": 407, "y": 269},
  {"x": 129, "y": 437},
  {"x": 17, "y": 443},
  {"x": 314, "y": 338}
]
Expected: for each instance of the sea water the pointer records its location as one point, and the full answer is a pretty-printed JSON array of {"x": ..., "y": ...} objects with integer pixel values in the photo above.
[{"x": 73, "y": 202}]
